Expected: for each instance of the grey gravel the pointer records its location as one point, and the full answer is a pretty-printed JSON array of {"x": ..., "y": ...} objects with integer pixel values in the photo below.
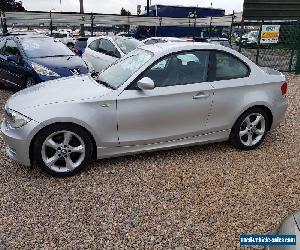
[{"x": 200, "y": 197}]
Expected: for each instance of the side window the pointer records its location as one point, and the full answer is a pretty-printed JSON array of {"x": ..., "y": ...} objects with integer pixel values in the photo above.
[
  {"x": 11, "y": 49},
  {"x": 2, "y": 43},
  {"x": 229, "y": 67},
  {"x": 151, "y": 41},
  {"x": 106, "y": 47},
  {"x": 94, "y": 45},
  {"x": 180, "y": 69}
]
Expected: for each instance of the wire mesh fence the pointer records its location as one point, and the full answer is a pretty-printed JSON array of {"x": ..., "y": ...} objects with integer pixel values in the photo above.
[
  {"x": 281, "y": 55},
  {"x": 243, "y": 35}
]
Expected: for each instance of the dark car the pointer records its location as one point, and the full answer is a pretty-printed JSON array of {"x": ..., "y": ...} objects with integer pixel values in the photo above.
[
  {"x": 80, "y": 45},
  {"x": 30, "y": 59}
]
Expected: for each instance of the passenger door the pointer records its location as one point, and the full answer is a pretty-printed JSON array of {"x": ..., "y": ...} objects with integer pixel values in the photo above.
[
  {"x": 13, "y": 71},
  {"x": 177, "y": 108}
]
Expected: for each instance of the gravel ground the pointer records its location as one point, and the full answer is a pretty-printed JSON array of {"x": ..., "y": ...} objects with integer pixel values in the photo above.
[{"x": 192, "y": 198}]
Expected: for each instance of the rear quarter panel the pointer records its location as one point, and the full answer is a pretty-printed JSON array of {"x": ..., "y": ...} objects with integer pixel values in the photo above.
[{"x": 234, "y": 97}]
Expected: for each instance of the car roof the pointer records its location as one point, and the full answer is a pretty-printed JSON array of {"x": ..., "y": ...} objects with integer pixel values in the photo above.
[
  {"x": 161, "y": 49},
  {"x": 22, "y": 36},
  {"x": 177, "y": 46},
  {"x": 112, "y": 38}
]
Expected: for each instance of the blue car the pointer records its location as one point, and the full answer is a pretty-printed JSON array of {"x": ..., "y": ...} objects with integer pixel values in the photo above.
[
  {"x": 26, "y": 60},
  {"x": 80, "y": 45}
]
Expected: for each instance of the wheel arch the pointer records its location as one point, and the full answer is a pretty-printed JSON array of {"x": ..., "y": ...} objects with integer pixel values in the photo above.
[
  {"x": 31, "y": 156},
  {"x": 261, "y": 106}
]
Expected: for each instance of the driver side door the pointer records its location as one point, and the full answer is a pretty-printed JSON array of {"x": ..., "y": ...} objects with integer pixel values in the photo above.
[
  {"x": 176, "y": 109},
  {"x": 13, "y": 72}
]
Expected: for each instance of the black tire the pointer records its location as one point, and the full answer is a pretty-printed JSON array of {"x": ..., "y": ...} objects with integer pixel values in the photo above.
[
  {"x": 49, "y": 130},
  {"x": 29, "y": 82},
  {"x": 70, "y": 45},
  {"x": 235, "y": 138}
]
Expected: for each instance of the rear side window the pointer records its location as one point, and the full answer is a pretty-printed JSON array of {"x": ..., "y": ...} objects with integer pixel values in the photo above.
[
  {"x": 229, "y": 67},
  {"x": 94, "y": 45},
  {"x": 106, "y": 46}
]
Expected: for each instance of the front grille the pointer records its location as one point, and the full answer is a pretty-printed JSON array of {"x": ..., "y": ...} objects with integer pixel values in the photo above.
[{"x": 75, "y": 71}]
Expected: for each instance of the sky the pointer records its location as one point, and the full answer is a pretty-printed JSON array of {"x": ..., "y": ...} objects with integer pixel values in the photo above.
[{"x": 114, "y": 6}]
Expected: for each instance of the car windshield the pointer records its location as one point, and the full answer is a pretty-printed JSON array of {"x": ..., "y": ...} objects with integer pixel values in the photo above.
[
  {"x": 44, "y": 47},
  {"x": 127, "y": 45},
  {"x": 122, "y": 70}
]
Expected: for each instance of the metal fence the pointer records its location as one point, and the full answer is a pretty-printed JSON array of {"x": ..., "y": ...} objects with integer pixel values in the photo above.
[
  {"x": 282, "y": 55},
  {"x": 48, "y": 19}
]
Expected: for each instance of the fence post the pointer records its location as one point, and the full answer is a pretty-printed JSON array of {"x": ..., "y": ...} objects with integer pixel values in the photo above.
[
  {"x": 160, "y": 22},
  {"x": 3, "y": 23},
  {"x": 2, "y": 27},
  {"x": 195, "y": 20},
  {"x": 241, "y": 34},
  {"x": 128, "y": 26},
  {"x": 92, "y": 24},
  {"x": 231, "y": 27},
  {"x": 210, "y": 27},
  {"x": 51, "y": 24},
  {"x": 258, "y": 42},
  {"x": 293, "y": 47},
  {"x": 297, "y": 68}
]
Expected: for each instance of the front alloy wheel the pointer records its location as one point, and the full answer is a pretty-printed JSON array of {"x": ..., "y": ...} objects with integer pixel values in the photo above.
[
  {"x": 62, "y": 150},
  {"x": 250, "y": 129}
]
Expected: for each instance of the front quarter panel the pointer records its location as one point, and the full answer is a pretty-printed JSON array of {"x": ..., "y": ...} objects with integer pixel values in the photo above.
[{"x": 98, "y": 116}]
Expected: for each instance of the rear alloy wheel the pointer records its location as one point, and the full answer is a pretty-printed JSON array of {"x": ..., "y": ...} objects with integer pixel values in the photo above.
[
  {"x": 63, "y": 151},
  {"x": 250, "y": 129}
]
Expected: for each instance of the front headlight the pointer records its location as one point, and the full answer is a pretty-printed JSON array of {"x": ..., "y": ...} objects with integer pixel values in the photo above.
[
  {"x": 41, "y": 70},
  {"x": 15, "y": 119}
]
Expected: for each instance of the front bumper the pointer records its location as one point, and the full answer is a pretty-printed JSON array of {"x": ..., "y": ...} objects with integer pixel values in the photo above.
[{"x": 17, "y": 141}]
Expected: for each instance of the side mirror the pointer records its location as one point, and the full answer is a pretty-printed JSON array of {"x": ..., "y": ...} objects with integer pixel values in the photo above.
[
  {"x": 12, "y": 59},
  {"x": 146, "y": 83}
]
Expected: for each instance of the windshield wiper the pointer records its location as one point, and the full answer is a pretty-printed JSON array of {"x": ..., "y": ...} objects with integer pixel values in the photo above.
[{"x": 105, "y": 84}]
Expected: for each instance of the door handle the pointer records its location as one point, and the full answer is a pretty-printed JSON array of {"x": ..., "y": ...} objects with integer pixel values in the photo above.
[{"x": 201, "y": 95}]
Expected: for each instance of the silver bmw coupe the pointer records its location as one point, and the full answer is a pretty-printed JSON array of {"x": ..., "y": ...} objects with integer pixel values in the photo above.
[{"x": 157, "y": 97}]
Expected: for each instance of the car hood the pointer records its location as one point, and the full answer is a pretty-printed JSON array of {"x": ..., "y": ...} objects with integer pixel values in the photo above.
[
  {"x": 69, "y": 62},
  {"x": 71, "y": 89}
]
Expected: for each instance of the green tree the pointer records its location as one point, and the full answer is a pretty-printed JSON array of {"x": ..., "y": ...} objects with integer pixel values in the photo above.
[
  {"x": 11, "y": 5},
  {"x": 125, "y": 12}
]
